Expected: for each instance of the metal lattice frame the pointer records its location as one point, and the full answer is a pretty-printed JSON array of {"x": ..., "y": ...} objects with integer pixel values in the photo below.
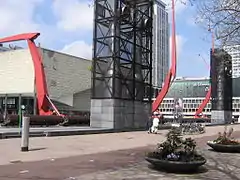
[{"x": 122, "y": 57}]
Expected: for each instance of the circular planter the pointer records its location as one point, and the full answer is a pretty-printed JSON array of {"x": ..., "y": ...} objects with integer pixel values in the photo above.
[
  {"x": 224, "y": 148},
  {"x": 176, "y": 166}
]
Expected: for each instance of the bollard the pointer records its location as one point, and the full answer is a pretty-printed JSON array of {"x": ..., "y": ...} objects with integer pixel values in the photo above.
[{"x": 25, "y": 133}]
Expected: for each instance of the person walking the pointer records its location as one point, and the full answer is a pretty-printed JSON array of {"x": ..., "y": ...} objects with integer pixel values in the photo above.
[
  {"x": 149, "y": 124},
  {"x": 155, "y": 122}
]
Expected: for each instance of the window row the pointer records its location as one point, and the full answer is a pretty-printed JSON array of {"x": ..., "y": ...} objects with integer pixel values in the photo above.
[
  {"x": 192, "y": 101},
  {"x": 192, "y": 110},
  {"x": 185, "y": 105}
]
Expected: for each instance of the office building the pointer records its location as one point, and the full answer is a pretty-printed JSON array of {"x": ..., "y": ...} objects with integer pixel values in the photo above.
[
  {"x": 160, "y": 44},
  {"x": 234, "y": 51}
]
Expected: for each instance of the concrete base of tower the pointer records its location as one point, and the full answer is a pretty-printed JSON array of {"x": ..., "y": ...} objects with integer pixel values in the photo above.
[
  {"x": 119, "y": 114},
  {"x": 221, "y": 117}
]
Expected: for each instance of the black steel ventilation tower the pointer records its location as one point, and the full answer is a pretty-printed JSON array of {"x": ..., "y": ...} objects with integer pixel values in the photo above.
[
  {"x": 222, "y": 89},
  {"x": 122, "y": 63}
]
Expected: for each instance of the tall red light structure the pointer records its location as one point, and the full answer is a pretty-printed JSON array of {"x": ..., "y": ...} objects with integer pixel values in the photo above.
[{"x": 43, "y": 100}]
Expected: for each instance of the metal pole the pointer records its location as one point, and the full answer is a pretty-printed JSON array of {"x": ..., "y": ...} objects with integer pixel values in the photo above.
[
  {"x": 25, "y": 133},
  {"x": 19, "y": 110},
  {"x": 5, "y": 108}
]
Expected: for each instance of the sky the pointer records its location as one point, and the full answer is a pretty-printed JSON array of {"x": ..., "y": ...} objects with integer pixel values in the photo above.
[{"x": 66, "y": 26}]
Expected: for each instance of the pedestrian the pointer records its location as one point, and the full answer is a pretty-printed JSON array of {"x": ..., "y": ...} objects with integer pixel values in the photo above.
[
  {"x": 149, "y": 124},
  {"x": 155, "y": 123}
]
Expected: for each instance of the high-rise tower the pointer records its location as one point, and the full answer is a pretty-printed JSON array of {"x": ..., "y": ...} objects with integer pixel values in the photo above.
[
  {"x": 160, "y": 44},
  {"x": 234, "y": 52}
]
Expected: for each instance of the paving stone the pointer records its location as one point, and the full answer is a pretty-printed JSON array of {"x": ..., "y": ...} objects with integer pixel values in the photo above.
[{"x": 219, "y": 166}]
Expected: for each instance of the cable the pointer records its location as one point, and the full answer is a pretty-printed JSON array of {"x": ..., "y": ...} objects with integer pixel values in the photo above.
[{"x": 206, "y": 63}]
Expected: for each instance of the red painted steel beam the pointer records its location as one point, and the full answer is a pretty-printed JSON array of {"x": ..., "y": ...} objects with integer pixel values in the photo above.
[
  {"x": 20, "y": 37},
  {"x": 40, "y": 78},
  {"x": 204, "y": 103},
  {"x": 172, "y": 72},
  {"x": 208, "y": 95}
]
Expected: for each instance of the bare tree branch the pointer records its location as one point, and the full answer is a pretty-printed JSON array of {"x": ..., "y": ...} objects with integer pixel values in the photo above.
[{"x": 223, "y": 16}]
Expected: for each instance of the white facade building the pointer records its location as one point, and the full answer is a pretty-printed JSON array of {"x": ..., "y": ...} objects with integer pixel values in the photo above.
[
  {"x": 234, "y": 51},
  {"x": 68, "y": 79},
  {"x": 160, "y": 43}
]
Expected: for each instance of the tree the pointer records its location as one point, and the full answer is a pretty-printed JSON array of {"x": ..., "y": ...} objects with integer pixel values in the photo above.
[{"x": 222, "y": 16}]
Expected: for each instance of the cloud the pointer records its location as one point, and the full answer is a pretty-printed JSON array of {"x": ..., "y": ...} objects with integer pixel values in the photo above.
[
  {"x": 17, "y": 17},
  {"x": 180, "y": 41},
  {"x": 73, "y": 16},
  {"x": 79, "y": 49},
  {"x": 78, "y": 15}
]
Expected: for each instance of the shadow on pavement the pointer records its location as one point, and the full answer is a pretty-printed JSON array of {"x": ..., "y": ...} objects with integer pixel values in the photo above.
[
  {"x": 200, "y": 170},
  {"x": 37, "y": 149}
]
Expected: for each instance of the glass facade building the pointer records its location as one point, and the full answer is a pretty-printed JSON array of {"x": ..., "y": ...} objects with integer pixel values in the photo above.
[
  {"x": 160, "y": 44},
  {"x": 234, "y": 51},
  {"x": 193, "y": 92}
]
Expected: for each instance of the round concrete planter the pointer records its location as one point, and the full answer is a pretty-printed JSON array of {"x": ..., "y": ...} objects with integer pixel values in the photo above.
[
  {"x": 176, "y": 166},
  {"x": 233, "y": 148}
]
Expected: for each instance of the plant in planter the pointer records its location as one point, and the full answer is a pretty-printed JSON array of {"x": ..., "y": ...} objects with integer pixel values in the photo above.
[
  {"x": 225, "y": 142},
  {"x": 176, "y": 154}
]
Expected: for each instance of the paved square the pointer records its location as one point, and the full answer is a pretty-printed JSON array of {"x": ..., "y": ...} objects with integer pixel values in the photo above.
[
  {"x": 219, "y": 166},
  {"x": 105, "y": 156}
]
